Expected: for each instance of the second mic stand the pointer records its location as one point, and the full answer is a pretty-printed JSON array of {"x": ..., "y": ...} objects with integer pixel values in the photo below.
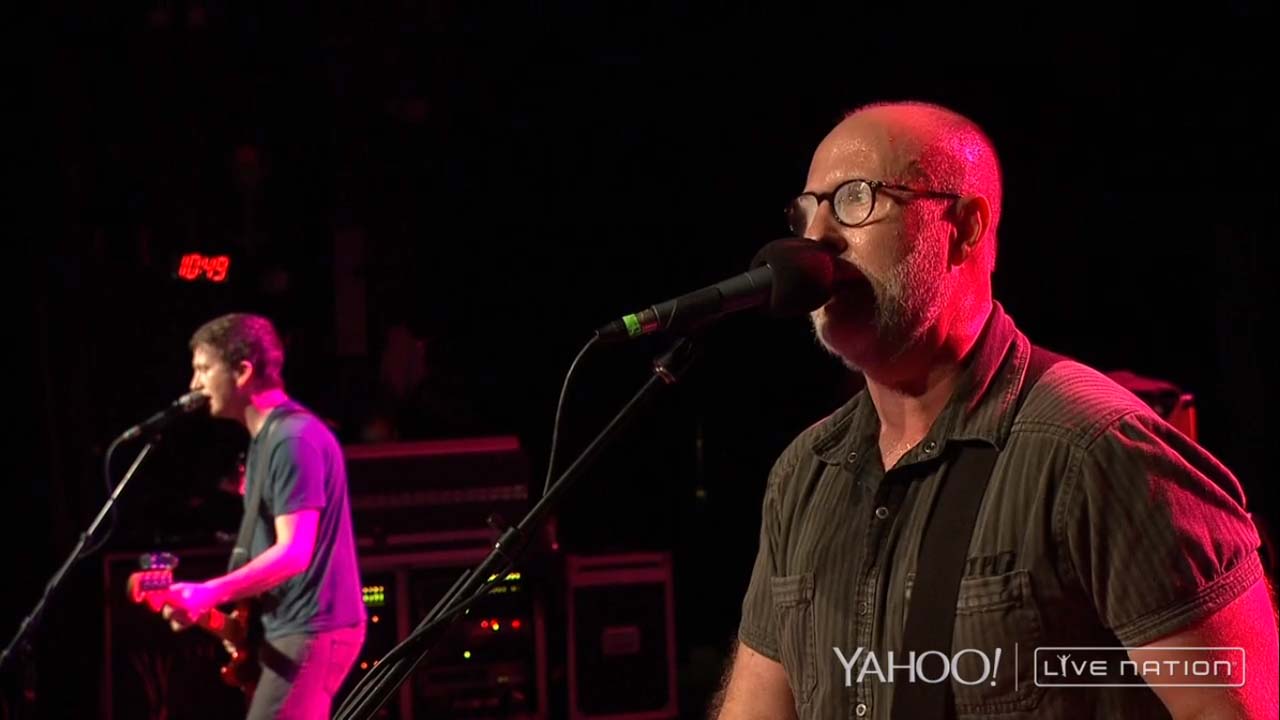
[{"x": 374, "y": 691}]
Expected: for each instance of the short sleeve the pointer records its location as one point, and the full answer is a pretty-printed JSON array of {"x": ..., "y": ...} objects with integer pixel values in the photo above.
[
  {"x": 1156, "y": 530},
  {"x": 297, "y": 471}
]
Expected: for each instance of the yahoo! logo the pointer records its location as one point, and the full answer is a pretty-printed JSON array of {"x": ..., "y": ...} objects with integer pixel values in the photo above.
[{"x": 931, "y": 666}]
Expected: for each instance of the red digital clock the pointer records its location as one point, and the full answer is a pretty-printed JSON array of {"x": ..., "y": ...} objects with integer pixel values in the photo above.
[{"x": 195, "y": 266}]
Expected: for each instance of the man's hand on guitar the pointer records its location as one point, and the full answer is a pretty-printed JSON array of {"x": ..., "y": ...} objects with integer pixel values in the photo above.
[{"x": 185, "y": 603}]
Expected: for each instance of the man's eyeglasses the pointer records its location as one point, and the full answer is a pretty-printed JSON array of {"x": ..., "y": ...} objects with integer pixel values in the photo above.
[{"x": 852, "y": 203}]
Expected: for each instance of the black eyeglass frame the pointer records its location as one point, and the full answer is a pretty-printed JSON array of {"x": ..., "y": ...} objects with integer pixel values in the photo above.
[{"x": 874, "y": 185}]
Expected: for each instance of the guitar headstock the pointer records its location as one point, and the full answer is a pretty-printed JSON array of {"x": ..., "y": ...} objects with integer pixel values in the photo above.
[{"x": 154, "y": 579}]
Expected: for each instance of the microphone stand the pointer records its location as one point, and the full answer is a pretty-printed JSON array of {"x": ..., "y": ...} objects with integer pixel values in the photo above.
[
  {"x": 377, "y": 687},
  {"x": 21, "y": 641}
]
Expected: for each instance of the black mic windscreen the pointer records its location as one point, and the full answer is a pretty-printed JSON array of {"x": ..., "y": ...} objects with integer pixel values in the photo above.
[
  {"x": 803, "y": 275},
  {"x": 193, "y": 401}
]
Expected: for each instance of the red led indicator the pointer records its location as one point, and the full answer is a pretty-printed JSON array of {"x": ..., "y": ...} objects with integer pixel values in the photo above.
[
  {"x": 515, "y": 624},
  {"x": 195, "y": 266}
]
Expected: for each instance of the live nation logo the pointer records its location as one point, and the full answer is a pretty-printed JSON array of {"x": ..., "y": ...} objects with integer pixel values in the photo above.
[
  {"x": 1110, "y": 667},
  {"x": 1124, "y": 667}
]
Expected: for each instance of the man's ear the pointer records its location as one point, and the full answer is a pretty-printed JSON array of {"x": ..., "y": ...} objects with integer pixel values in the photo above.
[
  {"x": 972, "y": 217},
  {"x": 244, "y": 373}
]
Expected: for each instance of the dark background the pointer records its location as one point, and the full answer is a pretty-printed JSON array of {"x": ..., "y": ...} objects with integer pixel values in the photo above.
[{"x": 514, "y": 175}]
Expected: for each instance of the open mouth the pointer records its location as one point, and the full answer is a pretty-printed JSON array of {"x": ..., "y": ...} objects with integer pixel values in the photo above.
[
  {"x": 850, "y": 281},
  {"x": 846, "y": 273},
  {"x": 852, "y": 292}
]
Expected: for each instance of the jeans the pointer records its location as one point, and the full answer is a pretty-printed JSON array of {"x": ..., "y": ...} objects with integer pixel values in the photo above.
[{"x": 301, "y": 673}]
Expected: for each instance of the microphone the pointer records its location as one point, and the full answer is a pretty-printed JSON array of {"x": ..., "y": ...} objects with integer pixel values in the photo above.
[
  {"x": 791, "y": 276},
  {"x": 190, "y": 402}
]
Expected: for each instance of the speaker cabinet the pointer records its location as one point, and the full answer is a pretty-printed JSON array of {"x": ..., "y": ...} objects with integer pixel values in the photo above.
[{"x": 622, "y": 637}]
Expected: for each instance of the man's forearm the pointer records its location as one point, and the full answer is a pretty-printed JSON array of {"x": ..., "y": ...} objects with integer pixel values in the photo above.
[{"x": 274, "y": 566}]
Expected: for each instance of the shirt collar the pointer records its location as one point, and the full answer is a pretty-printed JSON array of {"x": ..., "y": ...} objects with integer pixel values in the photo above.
[{"x": 980, "y": 408}]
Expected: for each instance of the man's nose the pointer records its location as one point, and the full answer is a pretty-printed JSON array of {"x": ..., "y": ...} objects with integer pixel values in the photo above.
[{"x": 824, "y": 229}]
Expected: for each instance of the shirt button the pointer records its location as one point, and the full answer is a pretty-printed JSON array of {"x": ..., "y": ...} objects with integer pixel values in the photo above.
[
  {"x": 864, "y": 608},
  {"x": 852, "y": 456},
  {"x": 882, "y": 512},
  {"x": 860, "y": 710},
  {"x": 930, "y": 446}
]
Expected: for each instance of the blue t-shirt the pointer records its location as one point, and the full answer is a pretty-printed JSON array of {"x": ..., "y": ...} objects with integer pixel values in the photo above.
[{"x": 303, "y": 467}]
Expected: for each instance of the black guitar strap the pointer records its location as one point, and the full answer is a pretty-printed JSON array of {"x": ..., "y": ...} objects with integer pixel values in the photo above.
[
  {"x": 943, "y": 552},
  {"x": 240, "y": 553}
]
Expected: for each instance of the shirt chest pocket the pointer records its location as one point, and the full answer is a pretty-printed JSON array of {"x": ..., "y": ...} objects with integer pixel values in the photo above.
[
  {"x": 997, "y": 629},
  {"x": 797, "y": 643}
]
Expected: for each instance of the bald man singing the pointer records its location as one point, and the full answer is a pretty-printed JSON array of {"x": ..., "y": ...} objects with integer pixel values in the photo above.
[{"x": 1108, "y": 568}]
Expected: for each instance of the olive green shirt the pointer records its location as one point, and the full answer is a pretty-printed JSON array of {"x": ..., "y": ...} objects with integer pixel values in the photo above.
[{"x": 1102, "y": 526}]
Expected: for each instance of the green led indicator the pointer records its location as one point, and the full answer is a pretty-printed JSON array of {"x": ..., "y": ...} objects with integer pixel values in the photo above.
[
  {"x": 374, "y": 595},
  {"x": 633, "y": 325}
]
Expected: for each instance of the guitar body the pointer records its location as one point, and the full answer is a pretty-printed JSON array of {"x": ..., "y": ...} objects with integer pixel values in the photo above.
[
  {"x": 242, "y": 669},
  {"x": 239, "y": 628}
]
